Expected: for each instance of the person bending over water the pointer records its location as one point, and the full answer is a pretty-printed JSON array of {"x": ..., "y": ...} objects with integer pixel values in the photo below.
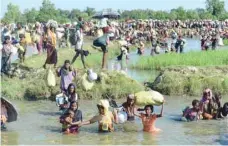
[
  {"x": 105, "y": 118},
  {"x": 149, "y": 119}
]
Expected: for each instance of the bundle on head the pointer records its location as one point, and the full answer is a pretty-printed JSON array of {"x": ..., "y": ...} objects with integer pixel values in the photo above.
[{"x": 52, "y": 23}]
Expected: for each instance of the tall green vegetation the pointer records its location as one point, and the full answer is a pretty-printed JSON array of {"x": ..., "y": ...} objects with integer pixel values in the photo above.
[
  {"x": 215, "y": 9},
  {"x": 209, "y": 58}
]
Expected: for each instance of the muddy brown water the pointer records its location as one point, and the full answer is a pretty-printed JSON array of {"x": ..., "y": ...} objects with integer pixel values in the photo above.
[{"x": 38, "y": 124}]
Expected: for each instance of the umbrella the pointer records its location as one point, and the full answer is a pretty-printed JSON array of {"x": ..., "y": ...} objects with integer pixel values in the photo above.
[
  {"x": 11, "y": 111},
  {"x": 107, "y": 14}
]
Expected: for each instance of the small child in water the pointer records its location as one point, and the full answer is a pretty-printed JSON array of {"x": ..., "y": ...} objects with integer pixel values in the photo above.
[
  {"x": 192, "y": 114},
  {"x": 67, "y": 122},
  {"x": 149, "y": 119}
]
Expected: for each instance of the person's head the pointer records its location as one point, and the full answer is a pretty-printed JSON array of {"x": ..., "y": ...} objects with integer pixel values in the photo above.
[
  {"x": 130, "y": 99},
  {"x": 70, "y": 113},
  {"x": 80, "y": 19},
  {"x": 101, "y": 109},
  {"x": 67, "y": 64},
  {"x": 22, "y": 36},
  {"x": 195, "y": 104},
  {"x": 207, "y": 93},
  {"x": 103, "y": 106},
  {"x": 225, "y": 109},
  {"x": 7, "y": 39},
  {"x": 74, "y": 105},
  {"x": 71, "y": 88},
  {"x": 37, "y": 24},
  {"x": 52, "y": 28},
  {"x": 149, "y": 109},
  {"x": 19, "y": 25}
]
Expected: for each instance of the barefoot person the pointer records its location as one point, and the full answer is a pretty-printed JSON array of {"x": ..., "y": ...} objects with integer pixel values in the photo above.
[
  {"x": 103, "y": 42},
  {"x": 149, "y": 119},
  {"x": 79, "y": 42},
  {"x": 51, "y": 45}
]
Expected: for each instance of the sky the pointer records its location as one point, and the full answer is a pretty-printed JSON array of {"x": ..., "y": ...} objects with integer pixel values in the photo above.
[{"x": 114, "y": 4}]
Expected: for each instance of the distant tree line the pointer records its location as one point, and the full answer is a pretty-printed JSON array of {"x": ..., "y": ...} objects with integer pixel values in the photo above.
[{"x": 215, "y": 9}]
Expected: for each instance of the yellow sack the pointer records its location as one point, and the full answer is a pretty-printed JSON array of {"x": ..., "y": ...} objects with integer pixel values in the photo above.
[
  {"x": 85, "y": 83},
  {"x": 51, "y": 78},
  {"x": 149, "y": 98},
  {"x": 28, "y": 38}
]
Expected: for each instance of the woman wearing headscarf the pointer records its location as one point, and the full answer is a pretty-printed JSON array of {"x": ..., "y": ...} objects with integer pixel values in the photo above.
[
  {"x": 105, "y": 118},
  {"x": 71, "y": 93},
  {"x": 51, "y": 45},
  {"x": 67, "y": 75},
  {"x": 77, "y": 119}
]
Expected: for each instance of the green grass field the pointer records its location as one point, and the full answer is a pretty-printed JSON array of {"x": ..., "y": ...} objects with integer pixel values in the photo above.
[
  {"x": 34, "y": 86},
  {"x": 209, "y": 58}
]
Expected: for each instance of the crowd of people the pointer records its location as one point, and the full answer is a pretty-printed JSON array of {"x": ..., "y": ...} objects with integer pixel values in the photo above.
[
  {"x": 48, "y": 37},
  {"x": 209, "y": 107}
]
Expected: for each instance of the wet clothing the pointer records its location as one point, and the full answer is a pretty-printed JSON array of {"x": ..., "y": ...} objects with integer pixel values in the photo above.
[
  {"x": 191, "y": 115},
  {"x": 149, "y": 123},
  {"x": 77, "y": 115},
  {"x": 73, "y": 128},
  {"x": 209, "y": 109},
  {"x": 129, "y": 111},
  {"x": 104, "y": 122}
]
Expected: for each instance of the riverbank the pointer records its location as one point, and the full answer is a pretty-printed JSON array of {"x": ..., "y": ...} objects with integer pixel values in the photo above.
[
  {"x": 190, "y": 80},
  {"x": 31, "y": 84},
  {"x": 203, "y": 58}
]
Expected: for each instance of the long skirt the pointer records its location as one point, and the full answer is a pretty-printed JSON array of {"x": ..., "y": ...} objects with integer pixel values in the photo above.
[{"x": 51, "y": 55}]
